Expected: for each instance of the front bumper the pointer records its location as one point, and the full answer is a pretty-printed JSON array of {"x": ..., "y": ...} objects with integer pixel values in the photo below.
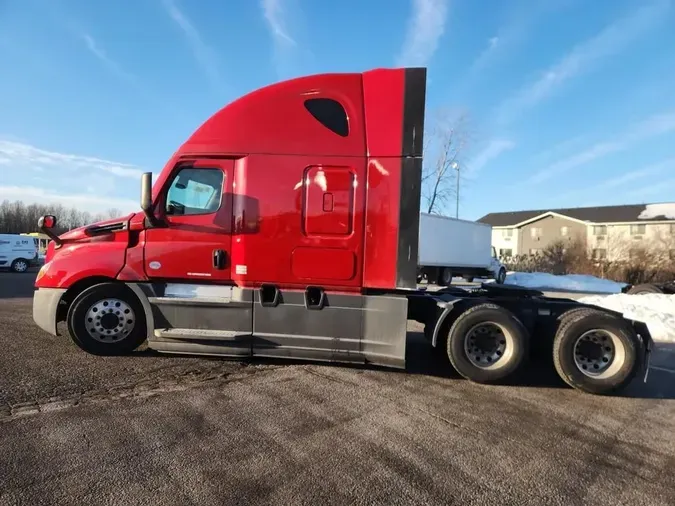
[{"x": 45, "y": 305}]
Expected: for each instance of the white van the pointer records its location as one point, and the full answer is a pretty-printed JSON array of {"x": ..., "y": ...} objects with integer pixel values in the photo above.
[{"x": 17, "y": 252}]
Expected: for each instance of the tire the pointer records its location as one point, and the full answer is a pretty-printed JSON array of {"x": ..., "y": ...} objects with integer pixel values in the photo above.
[
  {"x": 445, "y": 277},
  {"x": 586, "y": 331},
  {"x": 644, "y": 288},
  {"x": 108, "y": 299},
  {"x": 20, "y": 265},
  {"x": 501, "y": 276},
  {"x": 487, "y": 366},
  {"x": 468, "y": 279}
]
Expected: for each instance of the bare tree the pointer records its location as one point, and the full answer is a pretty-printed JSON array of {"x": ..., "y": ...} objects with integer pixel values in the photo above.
[
  {"x": 445, "y": 143},
  {"x": 111, "y": 213},
  {"x": 17, "y": 217}
]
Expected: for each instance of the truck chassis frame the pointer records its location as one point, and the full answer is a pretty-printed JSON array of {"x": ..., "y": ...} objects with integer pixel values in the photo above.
[{"x": 365, "y": 328}]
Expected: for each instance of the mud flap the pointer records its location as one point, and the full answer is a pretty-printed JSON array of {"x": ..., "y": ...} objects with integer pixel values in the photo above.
[{"x": 643, "y": 331}]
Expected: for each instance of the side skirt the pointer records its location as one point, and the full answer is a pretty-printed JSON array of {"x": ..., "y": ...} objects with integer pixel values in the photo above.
[{"x": 295, "y": 324}]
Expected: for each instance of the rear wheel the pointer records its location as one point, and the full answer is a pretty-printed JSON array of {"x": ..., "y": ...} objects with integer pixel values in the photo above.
[
  {"x": 445, "y": 278},
  {"x": 107, "y": 319},
  {"x": 487, "y": 344},
  {"x": 468, "y": 279},
  {"x": 20, "y": 265},
  {"x": 645, "y": 288},
  {"x": 596, "y": 352}
]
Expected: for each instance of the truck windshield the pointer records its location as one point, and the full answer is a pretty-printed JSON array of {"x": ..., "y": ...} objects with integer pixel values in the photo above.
[{"x": 195, "y": 191}]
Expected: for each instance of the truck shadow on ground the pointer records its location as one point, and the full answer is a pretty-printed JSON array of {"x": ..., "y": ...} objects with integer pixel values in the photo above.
[{"x": 422, "y": 359}]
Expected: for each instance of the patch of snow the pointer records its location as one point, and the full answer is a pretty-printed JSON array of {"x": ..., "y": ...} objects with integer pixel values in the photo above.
[
  {"x": 568, "y": 282},
  {"x": 656, "y": 210},
  {"x": 655, "y": 309}
]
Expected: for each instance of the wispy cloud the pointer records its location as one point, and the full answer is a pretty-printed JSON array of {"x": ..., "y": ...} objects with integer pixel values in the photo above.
[
  {"x": 424, "y": 32},
  {"x": 274, "y": 13},
  {"x": 512, "y": 33},
  {"x": 608, "y": 189},
  {"x": 288, "y": 28},
  {"x": 204, "y": 54},
  {"x": 584, "y": 57},
  {"x": 660, "y": 188},
  {"x": 494, "y": 148},
  {"x": 91, "y": 202},
  {"x": 108, "y": 62},
  {"x": 654, "y": 169},
  {"x": 653, "y": 126},
  {"x": 24, "y": 156}
]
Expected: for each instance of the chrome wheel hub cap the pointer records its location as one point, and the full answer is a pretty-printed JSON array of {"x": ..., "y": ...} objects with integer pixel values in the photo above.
[
  {"x": 486, "y": 344},
  {"x": 599, "y": 353},
  {"x": 110, "y": 320}
]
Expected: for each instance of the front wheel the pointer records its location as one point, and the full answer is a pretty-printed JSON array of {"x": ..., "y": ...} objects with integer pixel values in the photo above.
[
  {"x": 596, "y": 352},
  {"x": 107, "y": 319},
  {"x": 487, "y": 344},
  {"x": 20, "y": 265},
  {"x": 501, "y": 276}
]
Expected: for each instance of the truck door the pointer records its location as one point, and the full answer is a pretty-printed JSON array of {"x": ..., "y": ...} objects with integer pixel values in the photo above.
[{"x": 195, "y": 243}]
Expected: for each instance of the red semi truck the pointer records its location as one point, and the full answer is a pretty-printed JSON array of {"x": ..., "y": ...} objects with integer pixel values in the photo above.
[{"x": 287, "y": 226}]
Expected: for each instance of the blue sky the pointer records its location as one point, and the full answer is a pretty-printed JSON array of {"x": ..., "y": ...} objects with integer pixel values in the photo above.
[{"x": 569, "y": 102}]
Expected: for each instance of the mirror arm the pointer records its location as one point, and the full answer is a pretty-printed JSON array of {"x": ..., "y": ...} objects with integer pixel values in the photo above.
[{"x": 146, "y": 200}]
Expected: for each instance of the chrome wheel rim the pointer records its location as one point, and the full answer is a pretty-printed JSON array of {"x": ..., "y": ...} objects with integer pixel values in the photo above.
[
  {"x": 488, "y": 345},
  {"x": 20, "y": 266},
  {"x": 110, "y": 320},
  {"x": 599, "y": 354}
]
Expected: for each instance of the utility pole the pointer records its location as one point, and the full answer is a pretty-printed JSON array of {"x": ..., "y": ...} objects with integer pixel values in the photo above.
[{"x": 455, "y": 166}]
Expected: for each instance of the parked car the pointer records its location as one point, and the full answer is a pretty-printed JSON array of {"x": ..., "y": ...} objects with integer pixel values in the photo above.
[{"x": 17, "y": 252}]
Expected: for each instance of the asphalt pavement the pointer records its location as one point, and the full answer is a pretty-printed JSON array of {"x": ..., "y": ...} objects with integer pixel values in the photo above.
[{"x": 154, "y": 429}]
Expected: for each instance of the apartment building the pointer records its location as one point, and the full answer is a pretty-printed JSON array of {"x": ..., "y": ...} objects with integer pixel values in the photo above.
[{"x": 609, "y": 232}]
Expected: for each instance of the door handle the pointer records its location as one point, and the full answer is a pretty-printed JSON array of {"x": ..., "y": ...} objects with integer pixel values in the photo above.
[{"x": 219, "y": 259}]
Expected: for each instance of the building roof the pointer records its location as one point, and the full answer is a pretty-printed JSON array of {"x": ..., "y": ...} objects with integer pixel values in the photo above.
[{"x": 604, "y": 214}]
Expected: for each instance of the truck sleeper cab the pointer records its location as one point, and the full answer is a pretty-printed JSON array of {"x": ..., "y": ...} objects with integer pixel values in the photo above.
[{"x": 287, "y": 226}]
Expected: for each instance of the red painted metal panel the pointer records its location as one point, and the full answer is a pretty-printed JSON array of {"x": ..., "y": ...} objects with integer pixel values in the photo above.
[
  {"x": 185, "y": 248},
  {"x": 381, "y": 229},
  {"x": 88, "y": 258},
  {"x": 273, "y": 119},
  {"x": 329, "y": 201},
  {"x": 275, "y": 188},
  {"x": 323, "y": 263},
  {"x": 383, "y": 91}
]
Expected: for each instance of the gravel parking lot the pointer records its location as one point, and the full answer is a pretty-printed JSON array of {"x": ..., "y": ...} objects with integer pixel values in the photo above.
[{"x": 151, "y": 429}]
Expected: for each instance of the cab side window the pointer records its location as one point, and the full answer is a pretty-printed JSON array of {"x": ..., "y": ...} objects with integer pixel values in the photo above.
[{"x": 195, "y": 191}]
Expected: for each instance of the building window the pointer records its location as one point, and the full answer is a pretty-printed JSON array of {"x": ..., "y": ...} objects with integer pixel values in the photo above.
[
  {"x": 635, "y": 253},
  {"x": 600, "y": 230},
  {"x": 505, "y": 253},
  {"x": 564, "y": 231},
  {"x": 535, "y": 232},
  {"x": 507, "y": 232},
  {"x": 330, "y": 114},
  {"x": 637, "y": 229},
  {"x": 599, "y": 254}
]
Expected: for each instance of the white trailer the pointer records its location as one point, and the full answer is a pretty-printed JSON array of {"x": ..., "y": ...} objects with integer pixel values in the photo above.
[{"x": 450, "y": 247}]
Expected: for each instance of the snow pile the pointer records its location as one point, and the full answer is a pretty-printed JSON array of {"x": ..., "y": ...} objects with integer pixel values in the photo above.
[
  {"x": 569, "y": 282},
  {"x": 656, "y": 310},
  {"x": 658, "y": 210}
]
